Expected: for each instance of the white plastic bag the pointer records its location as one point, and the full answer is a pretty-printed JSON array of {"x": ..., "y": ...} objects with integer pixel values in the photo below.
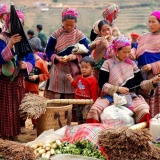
[
  {"x": 48, "y": 135},
  {"x": 116, "y": 114},
  {"x": 79, "y": 49},
  {"x": 154, "y": 127}
]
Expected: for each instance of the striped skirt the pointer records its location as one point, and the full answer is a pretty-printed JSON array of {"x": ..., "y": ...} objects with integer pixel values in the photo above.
[
  {"x": 140, "y": 109},
  {"x": 11, "y": 94}
]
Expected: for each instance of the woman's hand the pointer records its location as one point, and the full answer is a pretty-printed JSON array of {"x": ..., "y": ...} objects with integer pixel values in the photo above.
[
  {"x": 22, "y": 65},
  {"x": 33, "y": 78},
  {"x": 156, "y": 79},
  {"x": 147, "y": 67},
  {"x": 13, "y": 40},
  {"x": 105, "y": 42},
  {"x": 71, "y": 57},
  {"x": 61, "y": 59},
  {"x": 123, "y": 90}
]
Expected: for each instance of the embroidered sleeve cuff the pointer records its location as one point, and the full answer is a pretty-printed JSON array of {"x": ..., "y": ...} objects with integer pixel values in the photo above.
[
  {"x": 109, "y": 89},
  {"x": 53, "y": 58},
  {"x": 156, "y": 67},
  {"x": 7, "y": 54},
  {"x": 147, "y": 85}
]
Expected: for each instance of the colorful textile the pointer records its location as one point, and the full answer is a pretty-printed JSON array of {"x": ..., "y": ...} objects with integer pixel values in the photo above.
[
  {"x": 84, "y": 132},
  {"x": 148, "y": 52},
  {"x": 3, "y": 9},
  {"x": 61, "y": 43},
  {"x": 65, "y": 40},
  {"x": 96, "y": 110},
  {"x": 148, "y": 43},
  {"x": 111, "y": 12},
  {"x": 8, "y": 68},
  {"x": 85, "y": 88},
  {"x": 120, "y": 42},
  {"x": 156, "y": 14},
  {"x": 69, "y": 11},
  {"x": 44, "y": 75},
  {"x": 11, "y": 95},
  {"x": 112, "y": 75}
]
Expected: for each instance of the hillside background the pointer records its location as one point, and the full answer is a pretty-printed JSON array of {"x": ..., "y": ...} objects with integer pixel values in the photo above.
[{"x": 133, "y": 13}]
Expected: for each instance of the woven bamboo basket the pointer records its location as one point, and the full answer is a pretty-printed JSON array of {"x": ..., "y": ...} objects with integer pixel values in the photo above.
[{"x": 55, "y": 117}]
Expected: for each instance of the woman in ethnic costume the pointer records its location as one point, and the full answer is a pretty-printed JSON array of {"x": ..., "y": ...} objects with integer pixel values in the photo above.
[
  {"x": 11, "y": 82},
  {"x": 120, "y": 75},
  {"x": 99, "y": 46},
  {"x": 59, "y": 46},
  {"x": 147, "y": 53},
  {"x": 110, "y": 13},
  {"x": 3, "y": 16}
]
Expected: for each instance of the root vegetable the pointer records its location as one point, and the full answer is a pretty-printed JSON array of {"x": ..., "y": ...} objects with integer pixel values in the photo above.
[
  {"x": 54, "y": 145},
  {"x": 43, "y": 155},
  {"x": 42, "y": 151},
  {"x": 47, "y": 148},
  {"x": 52, "y": 151},
  {"x": 58, "y": 142}
]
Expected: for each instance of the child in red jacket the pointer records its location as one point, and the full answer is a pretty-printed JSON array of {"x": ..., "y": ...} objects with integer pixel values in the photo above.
[{"x": 86, "y": 85}]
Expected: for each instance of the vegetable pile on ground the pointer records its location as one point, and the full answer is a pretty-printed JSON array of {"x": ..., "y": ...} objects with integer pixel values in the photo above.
[
  {"x": 32, "y": 106},
  {"x": 15, "y": 151},
  {"x": 84, "y": 148},
  {"x": 124, "y": 143}
]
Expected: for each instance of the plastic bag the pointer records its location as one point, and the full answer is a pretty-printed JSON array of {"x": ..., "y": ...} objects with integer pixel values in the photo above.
[
  {"x": 116, "y": 114},
  {"x": 79, "y": 49},
  {"x": 49, "y": 135},
  {"x": 155, "y": 127}
]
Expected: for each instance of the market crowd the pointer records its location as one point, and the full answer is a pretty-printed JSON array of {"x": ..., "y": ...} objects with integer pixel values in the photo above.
[{"x": 70, "y": 66}]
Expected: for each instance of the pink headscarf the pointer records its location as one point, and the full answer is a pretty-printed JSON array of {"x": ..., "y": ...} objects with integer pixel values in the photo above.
[
  {"x": 20, "y": 15},
  {"x": 3, "y": 9},
  {"x": 111, "y": 12},
  {"x": 120, "y": 42},
  {"x": 156, "y": 14},
  {"x": 69, "y": 11}
]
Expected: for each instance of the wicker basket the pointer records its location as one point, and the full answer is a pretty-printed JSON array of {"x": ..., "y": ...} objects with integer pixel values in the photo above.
[{"x": 55, "y": 117}]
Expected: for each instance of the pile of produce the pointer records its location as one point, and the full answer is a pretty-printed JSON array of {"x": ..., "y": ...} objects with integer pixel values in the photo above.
[
  {"x": 32, "y": 106},
  {"x": 84, "y": 148},
  {"x": 125, "y": 143},
  {"x": 15, "y": 151}
]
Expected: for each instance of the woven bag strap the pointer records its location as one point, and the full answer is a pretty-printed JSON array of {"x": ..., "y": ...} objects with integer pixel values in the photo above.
[{"x": 57, "y": 116}]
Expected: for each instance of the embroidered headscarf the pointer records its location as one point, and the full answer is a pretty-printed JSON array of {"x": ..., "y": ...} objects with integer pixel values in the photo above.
[
  {"x": 156, "y": 14},
  {"x": 111, "y": 12},
  {"x": 69, "y": 11},
  {"x": 20, "y": 15},
  {"x": 3, "y": 9},
  {"x": 120, "y": 42}
]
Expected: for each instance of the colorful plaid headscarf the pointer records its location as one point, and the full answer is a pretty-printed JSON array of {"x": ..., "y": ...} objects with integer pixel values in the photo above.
[
  {"x": 120, "y": 42},
  {"x": 3, "y": 9},
  {"x": 69, "y": 11},
  {"x": 20, "y": 15},
  {"x": 156, "y": 14},
  {"x": 111, "y": 12}
]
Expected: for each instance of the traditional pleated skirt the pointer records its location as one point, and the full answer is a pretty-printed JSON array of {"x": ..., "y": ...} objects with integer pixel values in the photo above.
[{"x": 11, "y": 94}]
